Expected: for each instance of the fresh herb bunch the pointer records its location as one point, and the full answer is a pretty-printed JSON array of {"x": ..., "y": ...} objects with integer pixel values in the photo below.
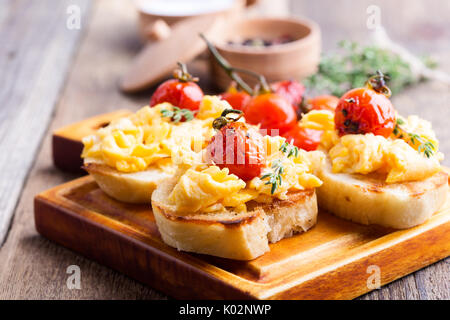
[
  {"x": 425, "y": 147},
  {"x": 275, "y": 176},
  {"x": 353, "y": 64},
  {"x": 177, "y": 114}
]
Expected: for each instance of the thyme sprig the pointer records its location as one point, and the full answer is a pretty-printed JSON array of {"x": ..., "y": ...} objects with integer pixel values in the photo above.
[
  {"x": 288, "y": 148},
  {"x": 177, "y": 114},
  {"x": 424, "y": 146},
  {"x": 275, "y": 177},
  {"x": 349, "y": 66}
]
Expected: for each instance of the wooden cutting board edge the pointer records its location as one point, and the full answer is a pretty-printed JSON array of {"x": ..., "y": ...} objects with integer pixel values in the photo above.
[
  {"x": 398, "y": 253},
  {"x": 191, "y": 268},
  {"x": 66, "y": 141}
]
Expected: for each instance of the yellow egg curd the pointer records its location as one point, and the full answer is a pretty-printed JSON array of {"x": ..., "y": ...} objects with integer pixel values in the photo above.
[
  {"x": 397, "y": 156},
  {"x": 146, "y": 138},
  {"x": 207, "y": 188}
]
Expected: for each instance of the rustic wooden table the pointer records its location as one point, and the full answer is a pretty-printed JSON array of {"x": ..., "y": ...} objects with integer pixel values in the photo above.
[{"x": 52, "y": 75}]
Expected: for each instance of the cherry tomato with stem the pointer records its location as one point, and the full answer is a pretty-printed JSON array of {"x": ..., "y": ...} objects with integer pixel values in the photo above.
[
  {"x": 181, "y": 92},
  {"x": 270, "y": 110},
  {"x": 236, "y": 146},
  {"x": 366, "y": 110}
]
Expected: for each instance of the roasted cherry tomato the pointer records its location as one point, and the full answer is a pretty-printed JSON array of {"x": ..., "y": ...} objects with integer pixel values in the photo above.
[
  {"x": 366, "y": 110},
  {"x": 238, "y": 147},
  {"x": 237, "y": 100},
  {"x": 292, "y": 90},
  {"x": 181, "y": 92},
  {"x": 304, "y": 138},
  {"x": 272, "y": 111},
  {"x": 324, "y": 102}
]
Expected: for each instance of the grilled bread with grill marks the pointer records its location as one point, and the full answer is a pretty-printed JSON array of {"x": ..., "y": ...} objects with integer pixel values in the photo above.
[{"x": 240, "y": 236}]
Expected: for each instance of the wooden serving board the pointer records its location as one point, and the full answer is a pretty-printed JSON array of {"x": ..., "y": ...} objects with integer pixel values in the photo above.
[
  {"x": 66, "y": 141},
  {"x": 331, "y": 261}
]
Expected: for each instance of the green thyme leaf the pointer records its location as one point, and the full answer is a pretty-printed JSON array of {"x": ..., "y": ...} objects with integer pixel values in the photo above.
[
  {"x": 177, "y": 114},
  {"x": 288, "y": 148},
  {"x": 400, "y": 121},
  {"x": 425, "y": 147},
  {"x": 275, "y": 178}
]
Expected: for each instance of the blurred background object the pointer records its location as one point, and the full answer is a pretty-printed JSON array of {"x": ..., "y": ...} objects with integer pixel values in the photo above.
[
  {"x": 156, "y": 16},
  {"x": 168, "y": 26},
  {"x": 251, "y": 43},
  {"x": 280, "y": 48}
]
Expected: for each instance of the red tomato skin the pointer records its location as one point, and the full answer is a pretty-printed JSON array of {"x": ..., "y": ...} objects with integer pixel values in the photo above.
[
  {"x": 238, "y": 148},
  {"x": 323, "y": 102},
  {"x": 364, "y": 110},
  {"x": 292, "y": 90},
  {"x": 185, "y": 95},
  {"x": 237, "y": 100},
  {"x": 304, "y": 138},
  {"x": 271, "y": 111}
]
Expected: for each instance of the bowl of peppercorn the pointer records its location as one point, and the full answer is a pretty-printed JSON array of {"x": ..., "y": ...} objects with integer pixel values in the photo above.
[{"x": 277, "y": 48}]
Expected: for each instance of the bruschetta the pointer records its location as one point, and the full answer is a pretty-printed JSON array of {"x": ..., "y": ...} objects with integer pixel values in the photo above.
[
  {"x": 231, "y": 207},
  {"x": 132, "y": 155},
  {"x": 379, "y": 168}
]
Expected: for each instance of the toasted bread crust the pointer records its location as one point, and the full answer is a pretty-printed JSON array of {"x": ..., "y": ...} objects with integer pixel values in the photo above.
[
  {"x": 235, "y": 221},
  {"x": 136, "y": 187},
  {"x": 368, "y": 199},
  {"x": 240, "y": 236}
]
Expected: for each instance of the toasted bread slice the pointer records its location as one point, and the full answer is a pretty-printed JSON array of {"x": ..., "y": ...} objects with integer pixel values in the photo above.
[
  {"x": 134, "y": 187},
  {"x": 368, "y": 199},
  {"x": 240, "y": 236}
]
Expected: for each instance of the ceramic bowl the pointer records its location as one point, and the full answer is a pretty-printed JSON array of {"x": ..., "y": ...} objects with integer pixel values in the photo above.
[{"x": 293, "y": 60}]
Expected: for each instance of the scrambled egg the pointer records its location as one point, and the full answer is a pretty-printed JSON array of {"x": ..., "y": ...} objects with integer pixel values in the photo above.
[
  {"x": 209, "y": 189},
  {"x": 297, "y": 173},
  {"x": 146, "y": 139},
  {"x": 420, "y": 127},
  {"x": 199, "y": 190},
  {"x": 321, "y": 120},
  {"x": 366, "y": 153}
]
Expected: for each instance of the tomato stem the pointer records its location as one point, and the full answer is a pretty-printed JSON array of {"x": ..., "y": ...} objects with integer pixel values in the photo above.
[
  {"x": 304, "y": 107},
  {"x": 377, "y": 83},
  {"x": 231, "y": 71},
  {"x": 223, "y": 120},
  {"x": 265, "y": 88},
  {"x": 182, "y": 74}
]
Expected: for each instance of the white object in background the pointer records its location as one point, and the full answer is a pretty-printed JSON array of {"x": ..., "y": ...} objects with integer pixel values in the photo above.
[
  {"x": 183, "y": 8},
  {"x": 381, "y": 39},
  {"x": 273, "y": 8}
]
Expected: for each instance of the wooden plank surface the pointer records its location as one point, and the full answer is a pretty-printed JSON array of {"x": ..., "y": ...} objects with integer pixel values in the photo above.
[
  {"x": 36, "y": 49},
  {"x": 33, "y": 267}
]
